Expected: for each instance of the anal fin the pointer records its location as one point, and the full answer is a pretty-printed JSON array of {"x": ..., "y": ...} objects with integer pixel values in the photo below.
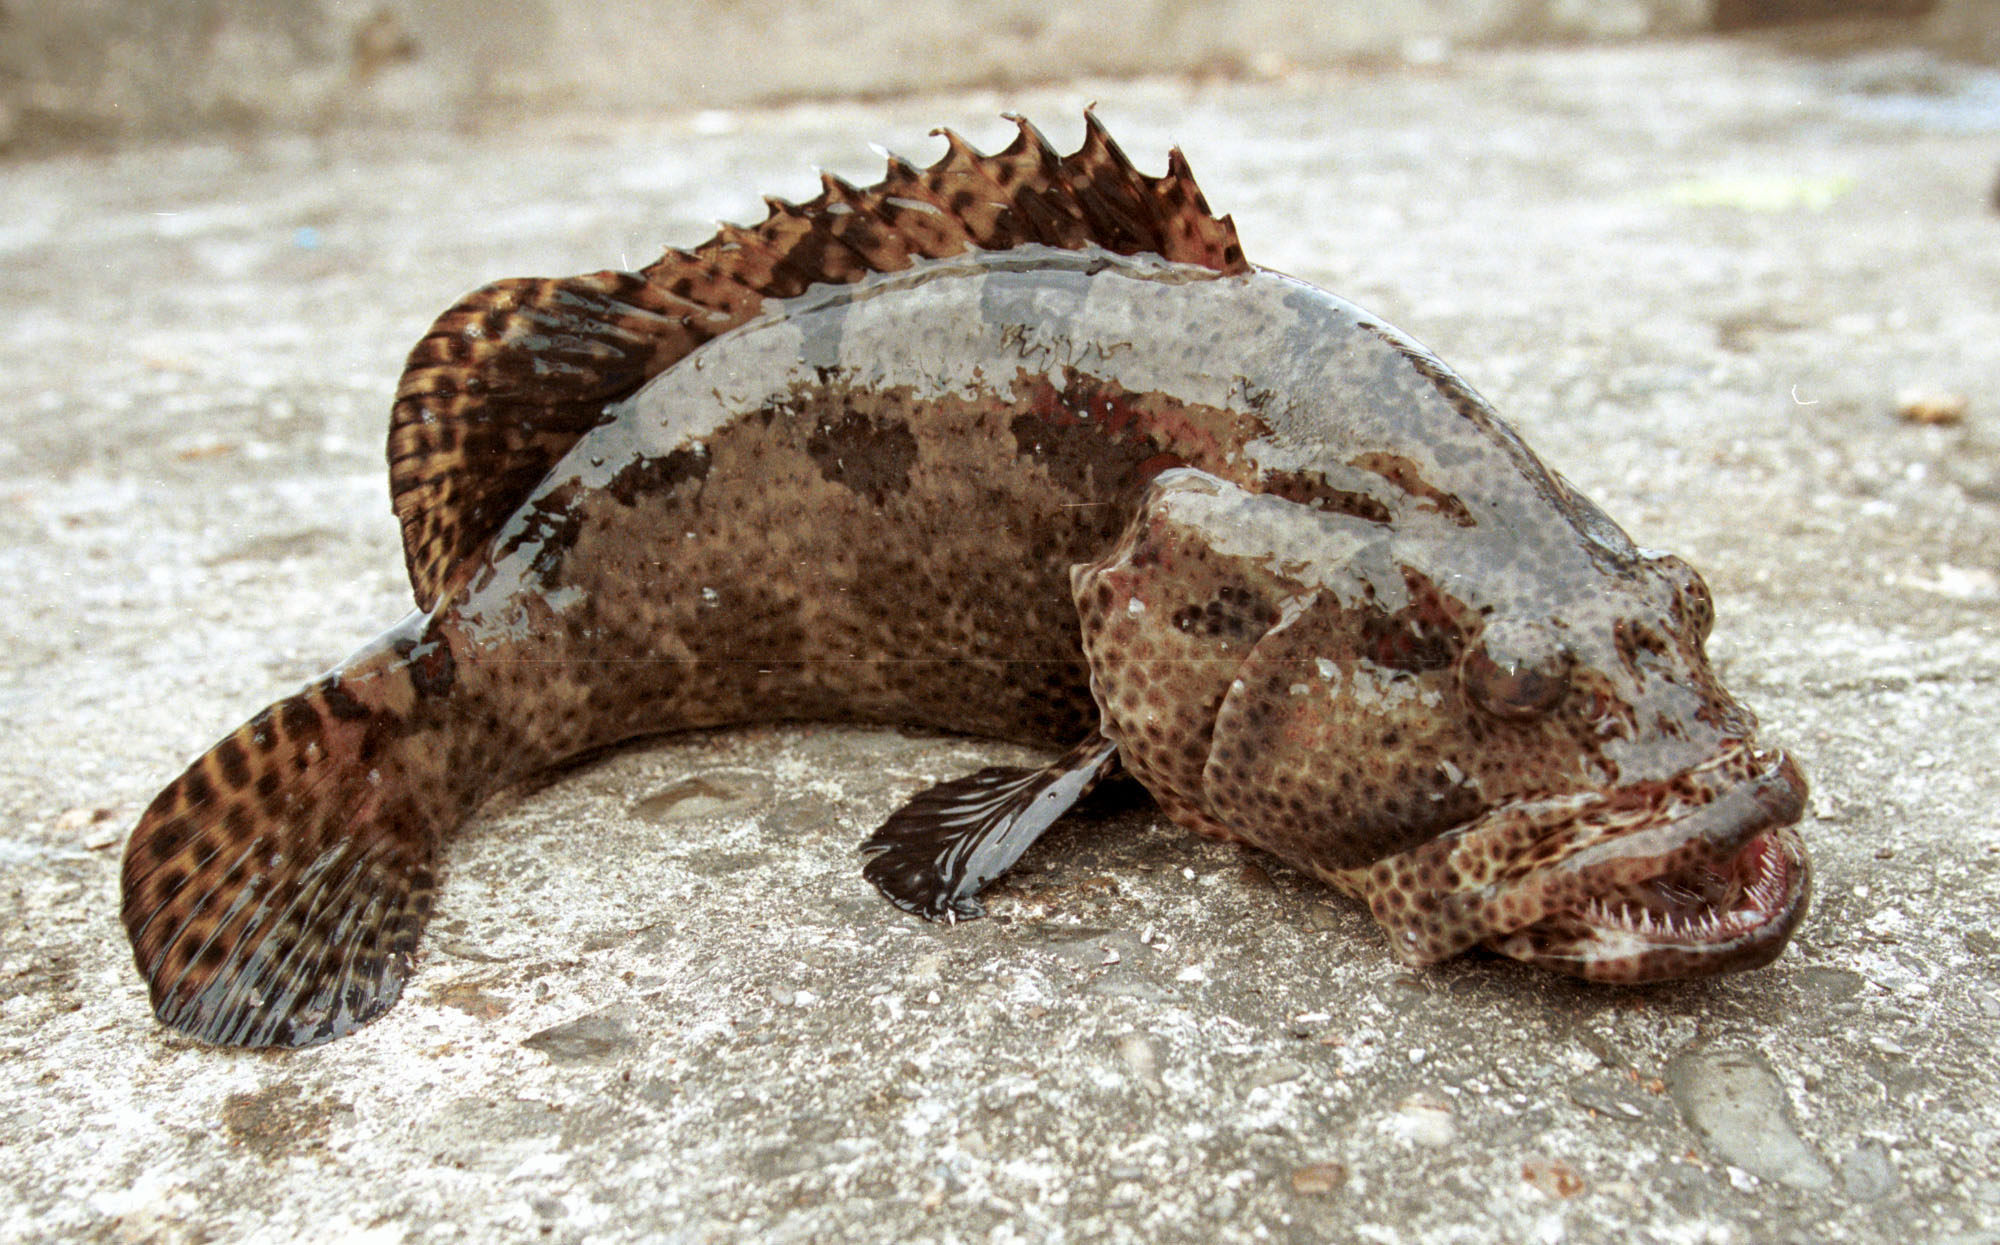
[{"x": 949, "y": 842}]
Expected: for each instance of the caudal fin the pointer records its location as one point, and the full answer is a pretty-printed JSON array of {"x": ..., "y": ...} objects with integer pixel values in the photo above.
[{"x": 274, "y": 892}]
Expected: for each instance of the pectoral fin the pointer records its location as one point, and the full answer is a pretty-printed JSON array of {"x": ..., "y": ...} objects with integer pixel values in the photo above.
[{"x": 943, "y": 847}]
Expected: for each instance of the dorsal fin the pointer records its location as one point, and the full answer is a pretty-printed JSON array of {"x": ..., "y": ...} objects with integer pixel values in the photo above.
[{"x": 505, "y": 382}]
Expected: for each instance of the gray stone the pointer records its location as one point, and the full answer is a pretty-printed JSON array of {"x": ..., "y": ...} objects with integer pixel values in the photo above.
[
  {"x": 1868, "y": 1174},
  {"x": 596, "y": 1036},
  {"x": 1734, "y": 1100}
]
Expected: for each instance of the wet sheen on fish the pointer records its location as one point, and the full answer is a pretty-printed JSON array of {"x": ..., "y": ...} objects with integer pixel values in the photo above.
[{"x": 1019, "y": 446}]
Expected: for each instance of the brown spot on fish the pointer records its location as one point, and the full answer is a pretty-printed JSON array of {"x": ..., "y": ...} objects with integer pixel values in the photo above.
[
  {"x": 1233, "y": 612},
  {"x": 432, "y": 668},
  {"x": 235, "y": 765},
  {"x": 645, "y": 476},
  {"x": 1097, "y": 440},
  {"x": 339, "y": 702},
  {"x": 1425, "y": 634},
  {"x": 1405, "y": 474},
  {"x": 195, "y": 789},
  {"x": 1315, "y": 491},
  {"x": 870, "y": 456},
  {"x": 299, "y": 720}
]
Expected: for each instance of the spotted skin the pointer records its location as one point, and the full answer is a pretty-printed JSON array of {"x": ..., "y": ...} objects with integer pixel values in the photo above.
[{"x": 1016, "y": 446}]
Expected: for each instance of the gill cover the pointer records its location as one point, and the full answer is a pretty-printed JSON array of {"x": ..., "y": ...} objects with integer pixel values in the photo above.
[{"x": 1275, "y": 675}]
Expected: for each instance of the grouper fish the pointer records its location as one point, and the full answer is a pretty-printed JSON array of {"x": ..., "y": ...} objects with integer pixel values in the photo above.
[{"x": 1017, "y": 446}]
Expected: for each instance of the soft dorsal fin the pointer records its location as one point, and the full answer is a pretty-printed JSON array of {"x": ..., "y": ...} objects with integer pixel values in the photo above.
[{"x": 506, "y": 382}]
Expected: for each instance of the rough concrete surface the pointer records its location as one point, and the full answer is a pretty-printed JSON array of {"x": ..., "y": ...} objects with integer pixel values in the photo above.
[{"x": 659, "y": 1003}]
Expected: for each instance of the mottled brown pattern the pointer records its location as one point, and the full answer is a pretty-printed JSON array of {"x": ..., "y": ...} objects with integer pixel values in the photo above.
[
  {"x": 761, "y": 615},
  {"x": 1498, "y": 883},
  {"x": 872, "y": 457},
  {"x": 1158, "y": 686},
  {"x": 1408, "y": 475}
]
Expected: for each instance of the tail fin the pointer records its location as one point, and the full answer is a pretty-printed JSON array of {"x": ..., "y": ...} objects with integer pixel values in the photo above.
[{"x": 274, "y": 892}]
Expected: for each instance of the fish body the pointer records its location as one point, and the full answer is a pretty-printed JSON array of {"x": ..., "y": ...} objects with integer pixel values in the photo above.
[{"x": 1049, "y": 463}]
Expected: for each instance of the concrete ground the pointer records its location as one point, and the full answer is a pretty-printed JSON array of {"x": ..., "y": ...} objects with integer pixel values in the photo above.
[{"x": 658, "y": 1001}]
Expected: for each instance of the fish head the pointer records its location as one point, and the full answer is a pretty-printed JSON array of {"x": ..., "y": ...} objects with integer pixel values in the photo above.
[{"x": 1493, "y": 737}]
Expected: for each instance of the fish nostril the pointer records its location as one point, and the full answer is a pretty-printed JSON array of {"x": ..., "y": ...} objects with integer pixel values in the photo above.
[{"x": 1692, "y": 600}]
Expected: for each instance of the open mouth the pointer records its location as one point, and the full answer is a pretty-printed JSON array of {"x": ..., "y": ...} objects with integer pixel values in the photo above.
[{"x": 1725, "y": 895}]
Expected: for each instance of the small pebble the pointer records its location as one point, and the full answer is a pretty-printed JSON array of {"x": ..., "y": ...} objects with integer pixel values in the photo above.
[
  {"x": 1552, "y": 1176},
  {"x": 1424, "y": 1119},
  {"x": 1318, "y": 1179},
  {"x": 1930, "y": 406},
  {"x": 1735, "y": 1100}
]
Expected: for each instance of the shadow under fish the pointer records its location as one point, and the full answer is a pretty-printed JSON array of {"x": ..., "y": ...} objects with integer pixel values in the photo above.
[{"x": 1020, "y": 446}]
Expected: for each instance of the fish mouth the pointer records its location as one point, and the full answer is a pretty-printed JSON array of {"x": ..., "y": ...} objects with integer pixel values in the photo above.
[{"x": 1718, "y": 889}]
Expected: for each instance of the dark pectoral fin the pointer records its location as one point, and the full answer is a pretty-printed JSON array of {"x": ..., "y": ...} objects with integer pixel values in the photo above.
[{"x": 939, "y": 850}]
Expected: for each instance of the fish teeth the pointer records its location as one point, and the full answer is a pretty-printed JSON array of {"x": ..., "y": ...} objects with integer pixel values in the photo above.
[{"x": 1707, "y": 923}]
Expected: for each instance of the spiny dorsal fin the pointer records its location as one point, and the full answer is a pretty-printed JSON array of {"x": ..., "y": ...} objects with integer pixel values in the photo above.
[{"x": 506, "y": 382}]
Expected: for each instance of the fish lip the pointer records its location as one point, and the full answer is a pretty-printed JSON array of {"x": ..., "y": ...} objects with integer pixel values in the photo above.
[{"x": 1747, "y": 834}]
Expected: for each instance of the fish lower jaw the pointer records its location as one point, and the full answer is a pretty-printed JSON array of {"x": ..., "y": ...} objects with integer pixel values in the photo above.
[{"x": 1692, "y": 921}]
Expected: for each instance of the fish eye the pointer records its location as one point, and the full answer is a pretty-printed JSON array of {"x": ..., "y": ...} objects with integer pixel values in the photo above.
[{"x": 1516, "y": 671}]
